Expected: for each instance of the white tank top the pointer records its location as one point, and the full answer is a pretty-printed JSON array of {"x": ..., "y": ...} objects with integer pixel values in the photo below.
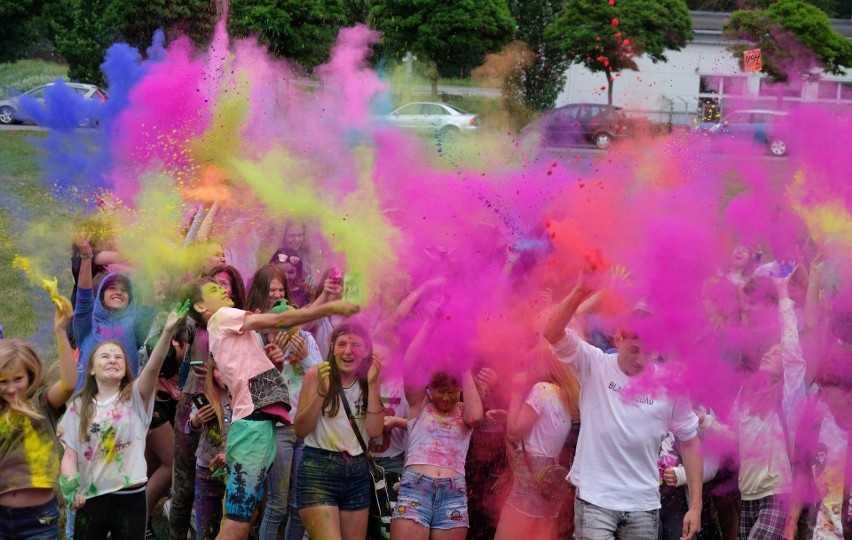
[
  {"x": 438, "y": 440},
  {"x": 334, "y": 433}
]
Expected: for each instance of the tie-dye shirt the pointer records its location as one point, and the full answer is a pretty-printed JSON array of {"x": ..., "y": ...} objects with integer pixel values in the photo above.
[
  {"x": 29, "y": 448},
  {"x": 434, "y": 439},
  {"x": 114, "y": 456}
]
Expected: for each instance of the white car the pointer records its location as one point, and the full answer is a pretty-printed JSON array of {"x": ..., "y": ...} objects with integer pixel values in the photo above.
[
  {"x": 11, "y": 111},
  {"x": 441, "y": 118}
]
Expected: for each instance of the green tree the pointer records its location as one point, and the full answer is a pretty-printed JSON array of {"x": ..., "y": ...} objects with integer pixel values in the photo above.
[
  {"x": 301, "y": 31},
  {"x": 792, "y": 36},
  {"x": 84, "y": 38},
  {"x": 84, "y": 29},
  {"x": 544, "y": 78},
  {"x": 23, "y": 29},
  {"x": 453, "y": 37},
  {"x": 834, "y": 8},
  {"x": 607, "y": 36}
]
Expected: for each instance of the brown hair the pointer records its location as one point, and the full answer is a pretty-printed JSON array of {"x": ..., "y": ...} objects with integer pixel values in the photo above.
[
  {"x": 258, "y": 294},
  {"x": 194, "y": 292},
  {"x": 14, "y": 353},
  {"x": 214, "y": 393},
  {"x": 238, "y": 288},
  {"x": 331, "y": 402},
  {"x": 86, "y": 397}
]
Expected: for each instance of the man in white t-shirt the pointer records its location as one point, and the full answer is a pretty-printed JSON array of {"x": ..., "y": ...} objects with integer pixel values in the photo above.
[{"x": 615, "y": 467}]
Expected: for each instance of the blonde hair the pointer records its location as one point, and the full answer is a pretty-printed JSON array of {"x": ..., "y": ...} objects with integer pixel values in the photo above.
[
  {"x": 544, "y": 367},
  {"x": 86, "y": 397},
  {"x": 214, "y": 393},
  {"x": 15, "y": 353}
]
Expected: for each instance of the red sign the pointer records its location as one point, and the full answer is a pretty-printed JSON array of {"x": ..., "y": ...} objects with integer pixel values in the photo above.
[{"x": 752, "y": 61}]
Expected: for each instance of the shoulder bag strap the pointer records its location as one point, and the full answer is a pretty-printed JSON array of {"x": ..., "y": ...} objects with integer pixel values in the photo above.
[{"x": 345, "y": 403}]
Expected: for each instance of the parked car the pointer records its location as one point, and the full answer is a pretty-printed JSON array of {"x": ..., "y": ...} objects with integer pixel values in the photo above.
[
  {"x": 441, "y": 118},
  {"x": 580, "y": 123},
  {"x": 11, "y": 110},
  {"x": 762, "y": 126}
]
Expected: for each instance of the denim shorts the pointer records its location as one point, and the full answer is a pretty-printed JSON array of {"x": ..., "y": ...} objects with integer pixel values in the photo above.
[
  {"x": 525, "y": 496},
  {"x": 329, "y": 478},
  {"x": 435, "y": 503},
  {"x": 249, "y": 452},
  {"x": 39, "y": 521}
]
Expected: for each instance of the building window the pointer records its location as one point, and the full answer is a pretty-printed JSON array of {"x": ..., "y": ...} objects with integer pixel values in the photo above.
[
  {"x": 827, "y": 90},
  {"x": 733, "y": 86},
  {"x": 709, "y": 85},
  {"x": 846, "y": 91},
  {"x": 791, "y": 89}
]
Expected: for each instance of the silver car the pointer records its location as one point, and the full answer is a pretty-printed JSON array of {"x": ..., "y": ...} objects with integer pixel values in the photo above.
[
  {"x": 11, "y": 110},
  {"x": 441, "y": 118}
]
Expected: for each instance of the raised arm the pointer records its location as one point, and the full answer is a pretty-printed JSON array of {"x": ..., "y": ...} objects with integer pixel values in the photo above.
[
  {"x": 207, "y": 223},
  {"x": 472, "y": 402},
  {"x": 296, "y": 317},
  {"x": 554, "y": 328},
  {"x": 791, "y": 351},
  {"x": 521, "y": 417},
  {"x": 415, "y": 390},
  {"x": 147, "y": 380},
  {"x": 62, "y": 389}
]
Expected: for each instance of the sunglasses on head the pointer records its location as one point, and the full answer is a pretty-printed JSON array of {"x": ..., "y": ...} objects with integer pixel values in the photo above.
[{"x": 292, "y": 259}]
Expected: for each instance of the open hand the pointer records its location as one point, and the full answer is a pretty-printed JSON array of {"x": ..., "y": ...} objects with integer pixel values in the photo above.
[
  {"x": 375, "y": 370},
  {"x": 63, "y": 315},
  {"x": 323, "y": 374}
]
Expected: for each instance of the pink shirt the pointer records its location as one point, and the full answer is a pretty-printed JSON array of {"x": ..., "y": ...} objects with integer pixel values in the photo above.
[
  {"x": 438, "y": 440},
  {"x": 250, "y": 376}
]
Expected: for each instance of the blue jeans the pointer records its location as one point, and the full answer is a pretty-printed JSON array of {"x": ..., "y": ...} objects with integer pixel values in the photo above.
[
  {"x": 435, "y": 503},
  {"x": 279, "y": 480},
  {"x": 295, "y": 529},
  {"x": 30, "y": 522},
  {"x": 333, "y": 479},
  {"x": 209, "y": 494},
  {"x": 595, "y": 523}
]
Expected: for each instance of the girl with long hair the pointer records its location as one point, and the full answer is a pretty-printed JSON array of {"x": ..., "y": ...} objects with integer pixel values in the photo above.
[
  {"x": 333, "y": 485},
  {"x": 268, "y": 285},
  {"x": 212, "y": 421},
  {"x": 104, "y": 436},
  {"x": 538, "y": 421},
  {"x": 294, "y": 268},
  {"x": 29, "y": 446}
]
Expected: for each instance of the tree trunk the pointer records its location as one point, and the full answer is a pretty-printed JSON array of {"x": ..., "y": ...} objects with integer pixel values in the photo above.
[
  {"x": 609, "y": 82},
  {"x": 433, "y": 78}
]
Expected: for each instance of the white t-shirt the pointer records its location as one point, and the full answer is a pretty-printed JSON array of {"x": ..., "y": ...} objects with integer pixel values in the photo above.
[
  {"x": 294, "y": 375},
  {"x": 391, "y": 443},
  {"x": 553, "y": 425},
  {"x": 616, "y": 462},
  {"x": 335, "y": 433},
  {"x": 114, "y": 456}
]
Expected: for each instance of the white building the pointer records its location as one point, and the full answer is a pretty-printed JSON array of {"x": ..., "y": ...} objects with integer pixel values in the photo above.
[{"x": 701, "y": 78}]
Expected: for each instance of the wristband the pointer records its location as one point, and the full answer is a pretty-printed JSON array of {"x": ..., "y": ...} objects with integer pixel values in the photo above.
[
  {"x": 680, "y": 474},
  {"x": 87, "y": 255},
  {"x": 69, "y": 487}
]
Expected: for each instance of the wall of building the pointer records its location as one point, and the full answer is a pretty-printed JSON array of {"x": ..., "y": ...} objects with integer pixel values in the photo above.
[{"x": 698, "y": 82}]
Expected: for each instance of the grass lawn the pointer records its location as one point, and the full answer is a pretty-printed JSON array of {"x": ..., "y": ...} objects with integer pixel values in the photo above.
[
  {"x": 25, "y": 75},
  {"x": 21, "y": 193}
]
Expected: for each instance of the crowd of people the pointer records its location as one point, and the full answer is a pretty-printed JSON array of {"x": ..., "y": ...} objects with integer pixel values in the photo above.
[{"x": 266, "y": 406}]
